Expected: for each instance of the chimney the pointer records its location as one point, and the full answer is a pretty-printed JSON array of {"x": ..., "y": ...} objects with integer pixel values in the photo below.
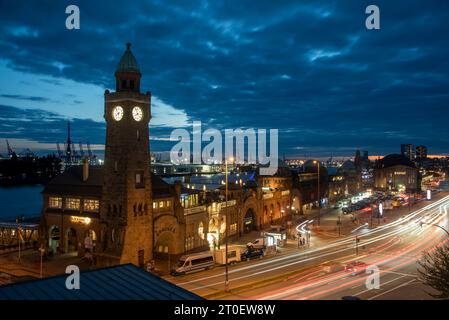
[
  {"x": 85, "y": 170},
  {"x": 178, "y": 186}
]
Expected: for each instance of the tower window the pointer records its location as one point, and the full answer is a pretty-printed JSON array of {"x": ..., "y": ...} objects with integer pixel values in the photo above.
[
  {"x": 139, "y": 180},
  {"x": 123, "y": 84},
  {"x": 131, "y": 84}
]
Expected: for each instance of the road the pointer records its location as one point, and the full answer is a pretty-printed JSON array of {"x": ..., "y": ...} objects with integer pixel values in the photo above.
[{"x": 394, "y": 248}]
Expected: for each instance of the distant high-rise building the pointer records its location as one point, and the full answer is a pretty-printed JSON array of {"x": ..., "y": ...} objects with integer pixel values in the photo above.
[
  {"x": 357, "y": 159},
  {"x": 365, "y": 156},
  {"x": 408, "y": 151},
  {"x": 421, "y": 152}
]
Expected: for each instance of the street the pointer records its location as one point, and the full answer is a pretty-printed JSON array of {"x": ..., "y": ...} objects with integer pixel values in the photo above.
[{"x": 393, "y": 247}]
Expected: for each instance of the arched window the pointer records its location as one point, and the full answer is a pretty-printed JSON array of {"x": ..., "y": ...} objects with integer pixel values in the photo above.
[{"x": 201, "y": 230}]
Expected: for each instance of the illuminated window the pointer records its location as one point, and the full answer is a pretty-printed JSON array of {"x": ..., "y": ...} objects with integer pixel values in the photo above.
[
  {"x": 55, "y": 202},
  {"x": 72, "y": 203},
  {"x": 161, "y": 204},
  {"x": 168, "y": 204},
  {"x": 233, "y": 228},
  {"x": 154, "y": 205},
  {"x": 91, "y": 205},
  {"x": 190, "y": 243}
]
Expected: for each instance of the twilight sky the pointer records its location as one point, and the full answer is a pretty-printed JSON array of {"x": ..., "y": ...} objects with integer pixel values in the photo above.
[{"x": 308, "y": 68}]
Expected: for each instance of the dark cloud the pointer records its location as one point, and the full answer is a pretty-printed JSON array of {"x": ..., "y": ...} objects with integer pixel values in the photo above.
[
  {"x": 22, "y": 97},
  {"x": 47, "y": 127},
  {"x": 309, "y": 68}
]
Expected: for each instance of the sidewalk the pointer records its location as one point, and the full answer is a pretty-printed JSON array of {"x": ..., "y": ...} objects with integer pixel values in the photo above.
[{"x": 29, "y": 266}]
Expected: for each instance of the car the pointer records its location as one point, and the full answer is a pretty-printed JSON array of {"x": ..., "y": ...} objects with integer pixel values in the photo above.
[
  {"x": 251, "y": 253},
  {"x": 356, "y": 267},
  {"x": 332, "y": 266},
  {"x": 257, "y": 244}
]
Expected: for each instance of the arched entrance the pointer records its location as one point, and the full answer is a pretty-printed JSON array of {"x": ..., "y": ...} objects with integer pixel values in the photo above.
[
  {"x": 54, "y": 236},
  {"x": 249, "y": 221},
  {"x": 72, "y": 241},
  {"x": 93, "y": 237},
  {"x": 214, "y": 234}
]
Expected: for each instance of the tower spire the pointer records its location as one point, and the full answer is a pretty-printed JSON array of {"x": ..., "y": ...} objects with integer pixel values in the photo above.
[
  {"x": 127, "y": 74},
  {"x": 68, "y": 151}
]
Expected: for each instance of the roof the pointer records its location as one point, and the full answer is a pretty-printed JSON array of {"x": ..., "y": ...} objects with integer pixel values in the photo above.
[
  {"x": 347, "y": 167},
  {"x": 123, "y": 282},
  {"x": 160, "y": 188},
  {"x": 70, "y": 182},
  {"x": 392, "y": 160},
  {"x": 15, "y": 225},
  {"x": 128, "y": 62}
]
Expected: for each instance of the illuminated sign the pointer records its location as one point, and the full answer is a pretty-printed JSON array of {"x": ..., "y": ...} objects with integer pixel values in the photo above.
[
  {"x": 84, "y": 220},
  {"x": 399, "y": 173}
]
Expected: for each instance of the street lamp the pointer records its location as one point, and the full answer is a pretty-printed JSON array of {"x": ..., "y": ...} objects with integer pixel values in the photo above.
[
  {"x": 319, "y": 195},
  {"x": 227, "y": 225},
  {"x": 19, "y": 221},
  {"x": 339, "y": 223},
  {"x": 435, "y": 225}
]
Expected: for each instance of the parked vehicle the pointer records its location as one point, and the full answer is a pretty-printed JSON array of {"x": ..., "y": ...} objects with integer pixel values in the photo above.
[
  {"x": 251, "y": 253},
  {"x": 259, "y": 243},
  {"x": 234, "y": 254},
  {"x": 194, "y": 262}
]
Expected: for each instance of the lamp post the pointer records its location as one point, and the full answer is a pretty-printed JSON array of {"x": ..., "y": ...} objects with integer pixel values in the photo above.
[
  {"x": 227, "y": 227},
  {"x": 19, "y": 220},
  {"x": 339, "y": 224},
  {"x": 435, "y": 225},
  {"x": 319, "y": 195}
]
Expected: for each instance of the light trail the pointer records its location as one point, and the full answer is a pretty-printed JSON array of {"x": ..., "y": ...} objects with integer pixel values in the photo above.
[
  {"x": 399, "y": 260},
  {"x": 286, "y": 261}
]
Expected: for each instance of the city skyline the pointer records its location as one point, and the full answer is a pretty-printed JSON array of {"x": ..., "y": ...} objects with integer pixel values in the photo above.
[
  {"x": 214, "y": 150},
  {"x": 306, "y": 69}
]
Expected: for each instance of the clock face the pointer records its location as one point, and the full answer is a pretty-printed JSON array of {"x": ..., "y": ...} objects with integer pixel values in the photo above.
[
  {"x": 117, "y": 113},
  {"x": 137, "y": 113}
]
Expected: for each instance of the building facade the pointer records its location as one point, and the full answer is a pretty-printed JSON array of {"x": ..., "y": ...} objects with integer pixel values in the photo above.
[
  {"x": 130, "y": 214},
  {"x": 408, "y": 151},
  {"x": 395, "y": 172}
]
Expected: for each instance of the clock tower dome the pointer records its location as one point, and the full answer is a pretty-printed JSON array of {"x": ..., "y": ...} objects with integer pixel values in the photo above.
[{"x": 126, "y": 210}]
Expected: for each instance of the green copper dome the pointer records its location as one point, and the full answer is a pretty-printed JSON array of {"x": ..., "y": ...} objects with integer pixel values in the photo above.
[{"x": 128, "y": 62}]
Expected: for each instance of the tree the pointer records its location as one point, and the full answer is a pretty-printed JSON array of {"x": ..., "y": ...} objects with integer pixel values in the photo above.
[{"x": 435, "y": 271}]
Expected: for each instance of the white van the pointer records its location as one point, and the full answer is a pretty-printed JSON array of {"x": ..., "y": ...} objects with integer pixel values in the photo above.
[{"x": 194, "y": 262}]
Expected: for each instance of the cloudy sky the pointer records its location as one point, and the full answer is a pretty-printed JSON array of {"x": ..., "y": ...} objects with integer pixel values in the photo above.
[{"x": 308, "y": 68}]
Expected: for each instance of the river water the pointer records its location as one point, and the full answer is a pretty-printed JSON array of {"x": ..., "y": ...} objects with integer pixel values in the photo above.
[{"x": 18, "y": 200}]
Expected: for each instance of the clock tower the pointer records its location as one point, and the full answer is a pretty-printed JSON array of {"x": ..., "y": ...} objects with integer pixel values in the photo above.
[{"x": 126, "y": 210}]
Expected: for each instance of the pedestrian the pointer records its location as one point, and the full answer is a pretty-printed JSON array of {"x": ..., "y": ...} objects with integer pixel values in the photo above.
[{"x": 150, "y": 266}]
